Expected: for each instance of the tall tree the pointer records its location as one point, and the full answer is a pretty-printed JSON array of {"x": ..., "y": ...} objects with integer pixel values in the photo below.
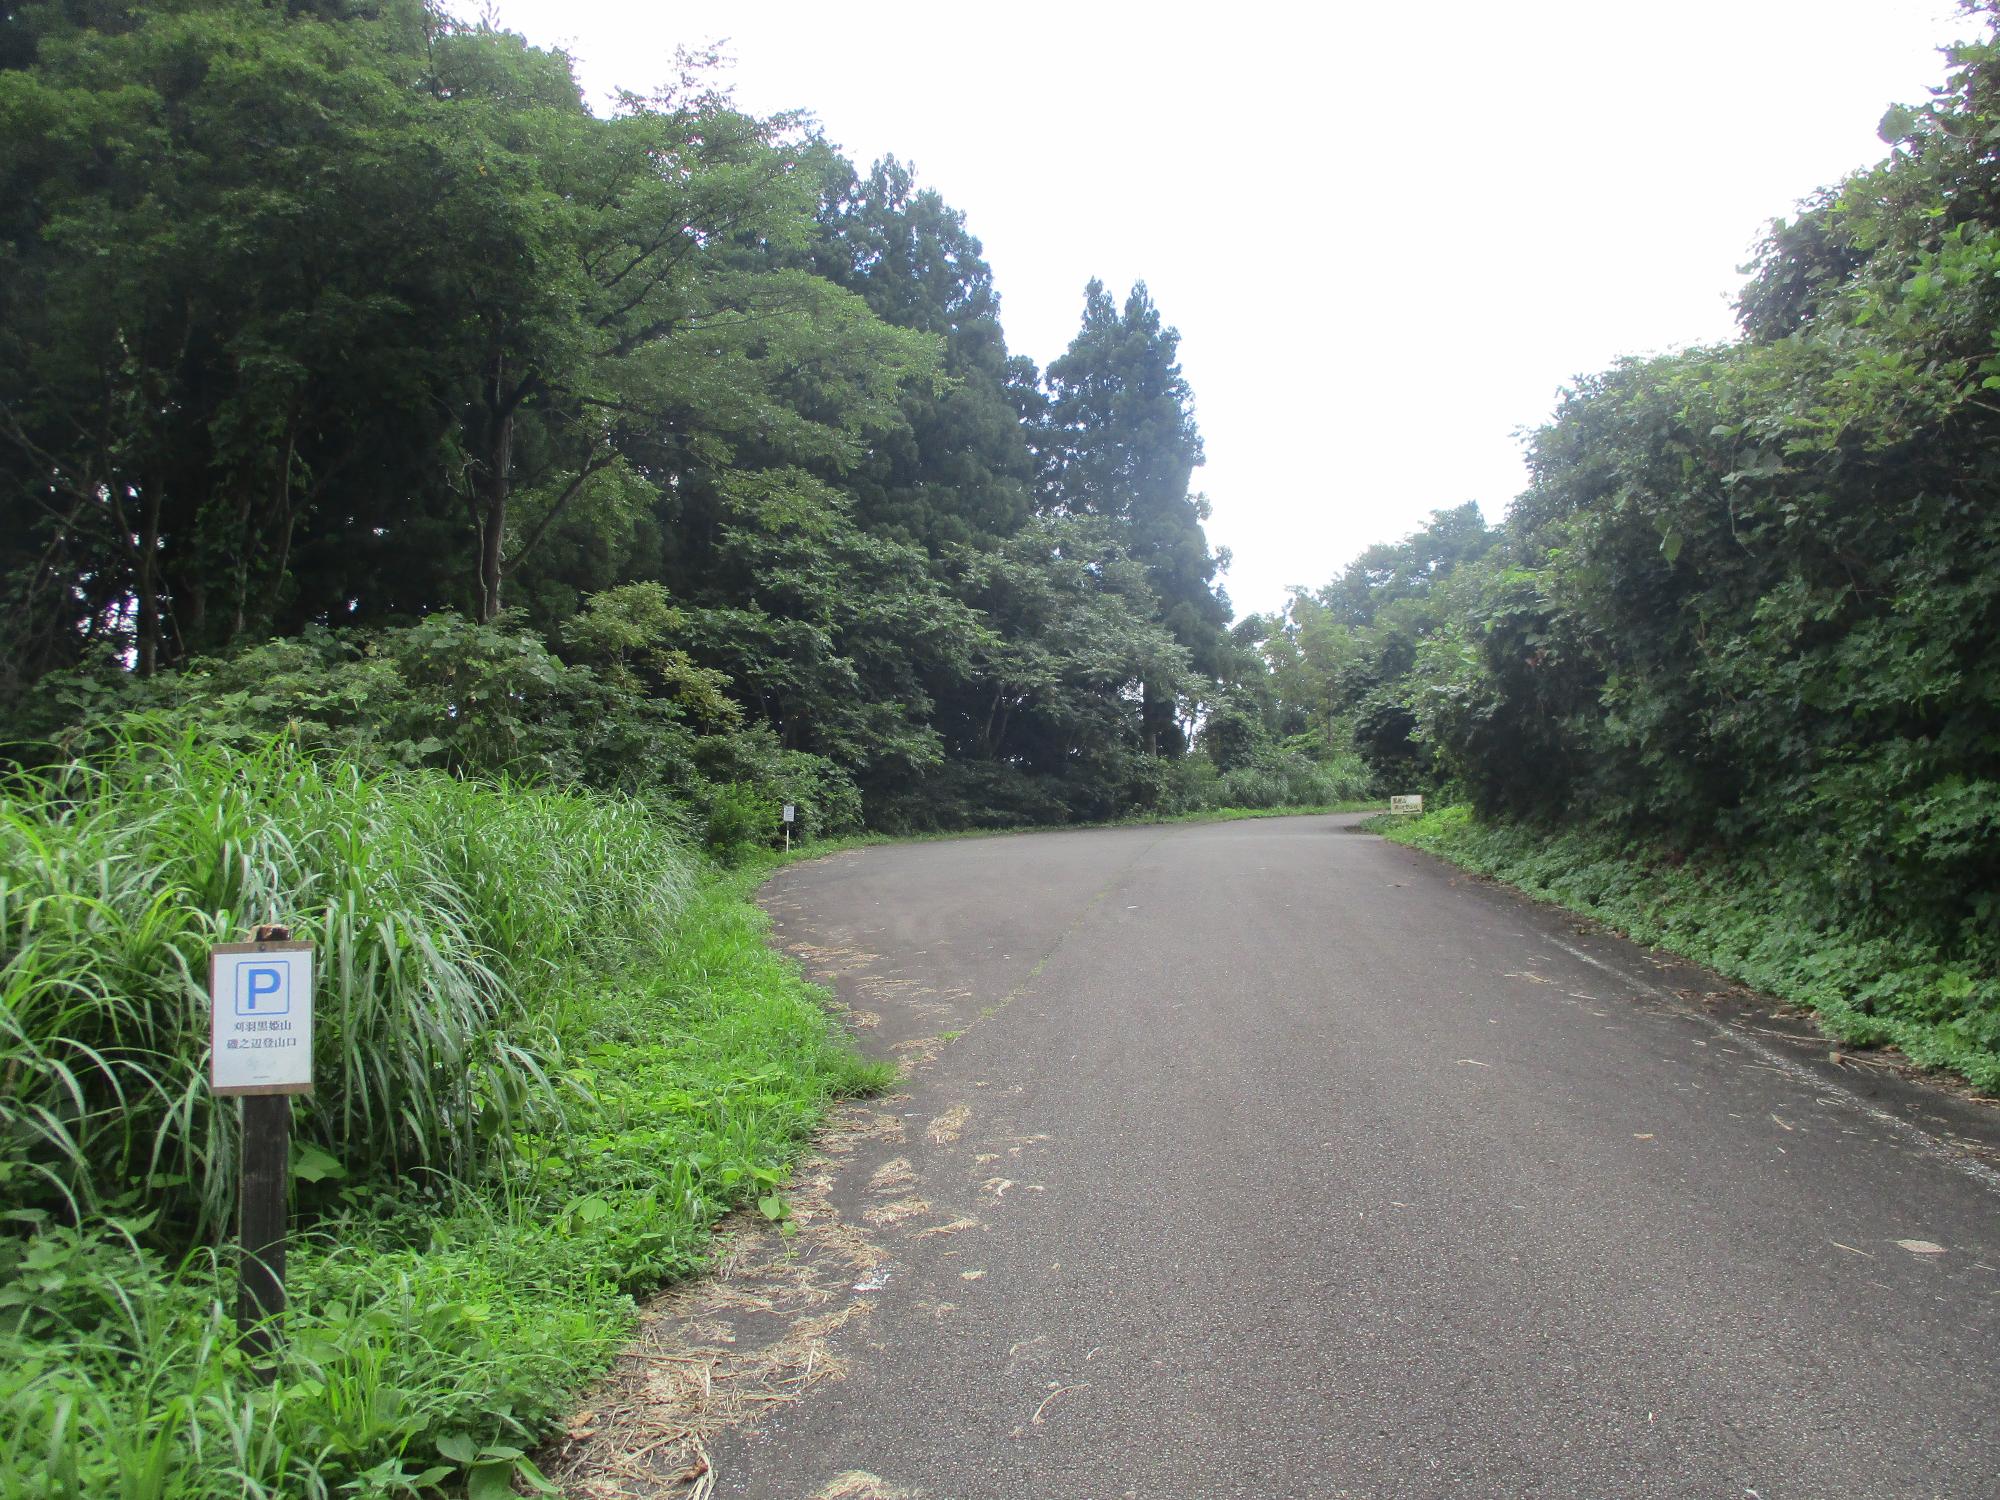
[
  {"x": 1120, "y": 443},
  {"x": 649, "y": 320},
  {"x": 960, "y": 470},
  {"x": 336, "y": 314},
  {"x": 221, "y": 305}
]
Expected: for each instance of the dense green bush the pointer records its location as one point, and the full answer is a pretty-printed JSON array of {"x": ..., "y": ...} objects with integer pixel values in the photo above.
[
  {"x": 1290, "y": 776},
  {"x": 970, "y": 795},
  {"x": 474, "y": 700},
  {"x": 1748, "y": 610},
  {"x": 449, "y": 918},
  {"x": 826, "y": 800},
  {"x": 1757, "y": 916},
  {"x": 444, "y": 693},
  {"x": 740, "y": 820},
  {"x": 547, "y": 1060}
]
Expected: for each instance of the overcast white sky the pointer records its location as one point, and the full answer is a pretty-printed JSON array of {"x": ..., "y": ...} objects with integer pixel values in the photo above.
[{"x": 1388, "y": 234}]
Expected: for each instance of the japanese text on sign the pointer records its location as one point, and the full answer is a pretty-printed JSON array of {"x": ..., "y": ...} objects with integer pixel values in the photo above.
[{"x": 261, "y": 1018}]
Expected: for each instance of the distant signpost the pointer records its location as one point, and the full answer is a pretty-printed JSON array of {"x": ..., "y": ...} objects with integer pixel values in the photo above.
[
  {"x": 1406, "y": 804},
  {"x": 791, "y": 815},
  {"x": 261, "y": 1036}
]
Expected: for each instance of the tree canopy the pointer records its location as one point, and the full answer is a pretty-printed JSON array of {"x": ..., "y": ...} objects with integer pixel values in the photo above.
[{"x": 335, "y": 317}]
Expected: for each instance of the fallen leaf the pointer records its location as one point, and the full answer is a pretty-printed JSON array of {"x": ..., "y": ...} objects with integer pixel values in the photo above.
[
  {"x": 1922, "y": 1247},
  {"x": 1472, "y": 1062},
  {"x": 1638, "y": 1137},
  {"x": 970, "y": 1275}
]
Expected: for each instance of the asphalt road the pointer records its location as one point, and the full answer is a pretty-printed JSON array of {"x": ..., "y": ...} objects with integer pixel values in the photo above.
[{"x": 1270, "y": 1159}]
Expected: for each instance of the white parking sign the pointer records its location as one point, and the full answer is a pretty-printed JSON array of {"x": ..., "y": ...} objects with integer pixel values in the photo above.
[{"x": 261, "y": 1010}]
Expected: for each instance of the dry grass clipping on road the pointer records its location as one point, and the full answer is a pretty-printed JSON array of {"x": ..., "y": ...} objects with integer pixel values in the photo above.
[{"x": 719, "y": 1351}]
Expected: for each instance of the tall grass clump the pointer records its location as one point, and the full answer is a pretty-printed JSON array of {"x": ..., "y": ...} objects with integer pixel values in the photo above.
[
  {"x": 445, "y": 915},
  {"x": 552, "y": 1051}
]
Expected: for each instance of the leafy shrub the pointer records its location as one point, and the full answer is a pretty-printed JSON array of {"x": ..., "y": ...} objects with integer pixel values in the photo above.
[
  {"x": 1758, "y": 917},
  {"x": 1288, "y": 777},
  {"x": 826, "y": 799},
  {"x": 438, "y": 1325},
  {"x": 445, "y": 693},
  {"x": 1193, "y": 785},
  {"x": 445, "y": 913},
  {"x": 740, "y": 820},
  {"x": 969, "y": 794}
]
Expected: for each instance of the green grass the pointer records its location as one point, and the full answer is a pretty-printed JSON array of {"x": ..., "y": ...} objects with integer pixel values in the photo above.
[
  {"x": 448, "y": 919},
  {"x": 1749, "y": 918},
  {"x": 626, "y": 1058}
]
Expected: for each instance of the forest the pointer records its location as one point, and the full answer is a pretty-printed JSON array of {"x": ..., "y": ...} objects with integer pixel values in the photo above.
[
  {"x": 457, "y": 520},
  {"x": 360, "y": 378}
]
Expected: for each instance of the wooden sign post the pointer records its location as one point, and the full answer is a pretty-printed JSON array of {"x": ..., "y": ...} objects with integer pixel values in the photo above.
[
  {"x": 260, "y": 1033},
  {"x": 791, "y": 812}
]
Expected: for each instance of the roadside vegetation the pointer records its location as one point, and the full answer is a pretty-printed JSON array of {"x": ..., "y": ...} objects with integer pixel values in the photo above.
[
  {"x": 1746, "y": 917},
  {"x": 455, "y": 524},
  {"x": 551, "y": 1052},
  {"x": 1730, "y": 671},
  {"x": 674, "y": 451}
]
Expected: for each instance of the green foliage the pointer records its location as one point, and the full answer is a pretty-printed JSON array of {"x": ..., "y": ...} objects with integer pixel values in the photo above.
[
  {"x": 485, "y": 700},
  {"x": 449, "y": 918},
  {"x": 1119, "y": 443},
  {"x": 1339, "y": 659},
  {"x": 827, "y": 802},
  {"x": 513, "y": 337},
  {"x": 439, "y": 1325},
  {"x": 739, "y": 440},
  {"x": 1295, "y": 775},
  {"x": 740, "y": 821},
  {"x": 1756, "y": 916},
  {"x": 960, "y": 472},
  {"x": 628, "y": 633},
  {"x": 481, "y": 700},
  {"x": 1755, "y": 599}
]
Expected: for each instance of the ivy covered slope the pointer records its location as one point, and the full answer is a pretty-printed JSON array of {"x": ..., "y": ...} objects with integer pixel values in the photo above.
[{"x": 1730, "y": 674}]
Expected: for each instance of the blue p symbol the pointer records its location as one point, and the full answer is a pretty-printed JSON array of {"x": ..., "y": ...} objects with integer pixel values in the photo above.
[{"x": 260, "y": 990}]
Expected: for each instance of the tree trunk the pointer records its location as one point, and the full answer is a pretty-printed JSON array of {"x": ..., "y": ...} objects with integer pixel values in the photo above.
[
  {"x": 1149, "y": 718},
  {"x": 493, "y": 517},
  {"x": 146, "y": 586},
  {"x": 992, "y": 717}
]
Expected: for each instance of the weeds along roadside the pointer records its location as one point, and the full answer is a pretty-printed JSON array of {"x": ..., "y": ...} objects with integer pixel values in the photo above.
[
  {"x": 553, "y": 1049},
  {"x": 1751, "y": 918}
]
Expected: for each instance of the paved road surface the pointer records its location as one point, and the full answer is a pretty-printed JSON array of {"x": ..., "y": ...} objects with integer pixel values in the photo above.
[{"x": 1286, "y": 1162}]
